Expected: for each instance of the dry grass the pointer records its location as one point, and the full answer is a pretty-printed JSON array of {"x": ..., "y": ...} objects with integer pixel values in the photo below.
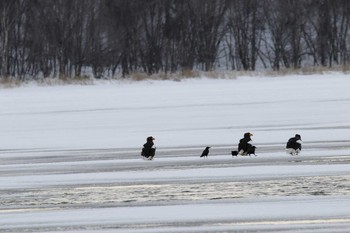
[
  {"x": 10, "y": 82},
  {"x": 138, "y": 76},
  {"x": 82, "y": 80},
  {"x": 185, "y": 74},
  {"x": 346, "y": 68},
  {"x": 309, "y": 70}
]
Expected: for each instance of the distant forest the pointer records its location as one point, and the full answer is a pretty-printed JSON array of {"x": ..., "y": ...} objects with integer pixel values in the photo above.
[{"x": 115, "y": 38}]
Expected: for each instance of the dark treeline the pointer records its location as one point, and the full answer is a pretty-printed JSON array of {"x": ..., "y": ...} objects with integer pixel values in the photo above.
[{"x": 64, "y": 38}]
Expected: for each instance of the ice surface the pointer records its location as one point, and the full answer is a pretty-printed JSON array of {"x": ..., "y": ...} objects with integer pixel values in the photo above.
[
  {"x": 190, "y": 112},
  {"x": 70, "y": 156}
]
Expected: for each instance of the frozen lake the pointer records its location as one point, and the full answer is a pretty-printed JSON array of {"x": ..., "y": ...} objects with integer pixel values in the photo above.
[
  {"x": 70, "y": 156},
  {"x": 118, "y": 192}
]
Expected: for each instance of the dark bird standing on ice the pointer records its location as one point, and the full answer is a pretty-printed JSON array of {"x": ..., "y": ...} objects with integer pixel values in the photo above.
[
  {"x": 294, "y": 145},
  {"x": 245, "y": 146},
  {"x": 205, "y": 152},
  {"x": 148, "y": 150}
]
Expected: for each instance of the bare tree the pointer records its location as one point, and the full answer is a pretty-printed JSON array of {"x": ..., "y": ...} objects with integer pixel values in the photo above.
[
  {"x": 152, "y": 36},
  {"x": 246, "y": 26},
  {"x": 62, "y": 38},
  {"x": 343, "y": 31},
  {"x": 210, "y": 30},
  {"x": 7, "y": 21},
  {"x": 180, "y": 35}
]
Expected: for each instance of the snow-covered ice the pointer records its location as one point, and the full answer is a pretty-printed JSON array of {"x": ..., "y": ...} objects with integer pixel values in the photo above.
[
  {"x": 189, "y": 112},
  {"x": 70, "y": 156}
]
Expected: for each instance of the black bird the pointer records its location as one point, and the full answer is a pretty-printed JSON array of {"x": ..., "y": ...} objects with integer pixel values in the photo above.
[
  {"x": 250, "y": 152},
  {"x": 205, "y": 152},
  {"x": 245, "y": 146}
]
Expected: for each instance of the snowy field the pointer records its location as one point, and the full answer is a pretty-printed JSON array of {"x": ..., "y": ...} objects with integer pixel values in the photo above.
[{"x": 70, "y": 156}]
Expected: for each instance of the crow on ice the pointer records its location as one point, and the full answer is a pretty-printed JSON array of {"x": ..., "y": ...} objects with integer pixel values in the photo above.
[{"x": 205, "y": 152}]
